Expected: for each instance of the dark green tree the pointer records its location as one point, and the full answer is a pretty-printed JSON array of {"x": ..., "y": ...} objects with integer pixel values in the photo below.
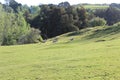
[
  {"x": 54, "y": 20},
  {"x": 82, "y": 21},
  {"x": 111, "y": 15},
  {"x": 97, "y": 22}
]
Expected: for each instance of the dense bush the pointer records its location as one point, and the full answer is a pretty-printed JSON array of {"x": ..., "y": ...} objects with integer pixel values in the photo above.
[
  {"x": 32, "y": 37},
  {"x": 117, "y": 24},
  {"x": 111, "y": 15},
  {"x": 54, "y": 20},
  {"x": 97, "y": 22},
  {"x": 115, "y": 5},
  {"x": 9, "y": 39},
  {"x": 13, "y": 26},
  {"x": 116, "y": 27}
]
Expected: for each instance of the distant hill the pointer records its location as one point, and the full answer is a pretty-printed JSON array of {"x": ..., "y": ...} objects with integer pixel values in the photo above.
[{"x": 93, "y": 6}]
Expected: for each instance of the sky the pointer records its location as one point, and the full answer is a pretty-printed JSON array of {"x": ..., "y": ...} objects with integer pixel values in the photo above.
[{"x": 37, "y": 2}]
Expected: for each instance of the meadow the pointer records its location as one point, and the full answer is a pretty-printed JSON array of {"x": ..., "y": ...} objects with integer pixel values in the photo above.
[
  {"x": 87, "y": 57},
  {"x": 93, "y": 6}
]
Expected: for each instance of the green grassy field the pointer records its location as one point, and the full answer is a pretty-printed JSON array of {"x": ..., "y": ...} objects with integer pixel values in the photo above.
[
  {"x": 93, "y": 6},
  {"x": 87, "y": 57}
]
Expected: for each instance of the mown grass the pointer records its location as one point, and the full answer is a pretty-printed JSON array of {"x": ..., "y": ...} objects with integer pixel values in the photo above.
[{"x": 81, "y": 59}]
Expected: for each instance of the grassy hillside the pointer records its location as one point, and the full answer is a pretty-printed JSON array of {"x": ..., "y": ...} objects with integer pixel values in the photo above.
[
  {"x": 93, "y": 6},
  {"x": 93, "y": 54}
]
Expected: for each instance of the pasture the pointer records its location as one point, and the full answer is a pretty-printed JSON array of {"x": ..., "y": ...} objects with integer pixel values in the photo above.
[{"x": 80, "y": 59}]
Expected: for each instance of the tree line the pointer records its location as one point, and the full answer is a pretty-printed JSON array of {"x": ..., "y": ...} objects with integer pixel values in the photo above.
[{"x": 22, "y": 24}]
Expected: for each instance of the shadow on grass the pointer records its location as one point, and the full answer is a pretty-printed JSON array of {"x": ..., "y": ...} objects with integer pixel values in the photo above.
[{"x": 112, "y": 30}]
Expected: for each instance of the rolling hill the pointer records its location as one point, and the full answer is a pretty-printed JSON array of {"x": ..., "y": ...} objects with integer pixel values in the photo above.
[{"x": 90, "y": 54}]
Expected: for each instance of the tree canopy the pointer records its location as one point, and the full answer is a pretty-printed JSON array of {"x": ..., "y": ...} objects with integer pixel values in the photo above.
[{"x": 20, "y": 24}]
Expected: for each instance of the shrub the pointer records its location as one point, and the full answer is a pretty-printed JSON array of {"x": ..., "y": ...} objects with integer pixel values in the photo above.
[
  {"x": 9, "y": 40},
  {"x": 117, "y": 24},
  {"x": 32, "y": 37},
  {"x": 97, "y": 22},
  {"x": 12, "y": 27},
  {"x": 116, "y": 27}
]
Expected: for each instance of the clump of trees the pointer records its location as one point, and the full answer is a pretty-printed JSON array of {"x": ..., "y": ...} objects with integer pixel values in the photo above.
[
  {"x": 33, "y": 36},
  {"x": 54, "y": 20},
  {"x": 115, "y": 5},
  {"x": 97, "y": 22},
  {"x": 13, "y": 27},
  {"x": 21, "y": 24},
  {"x": 111, "y": 15}
]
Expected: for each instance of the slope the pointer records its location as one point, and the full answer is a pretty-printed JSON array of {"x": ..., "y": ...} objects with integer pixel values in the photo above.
[{"x": 93, "y": 54}]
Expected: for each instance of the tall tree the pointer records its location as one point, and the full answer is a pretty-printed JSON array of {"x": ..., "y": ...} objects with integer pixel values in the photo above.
[
  {"x": 13, "y": 4},
  {"x": 82, "y": 14}
]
